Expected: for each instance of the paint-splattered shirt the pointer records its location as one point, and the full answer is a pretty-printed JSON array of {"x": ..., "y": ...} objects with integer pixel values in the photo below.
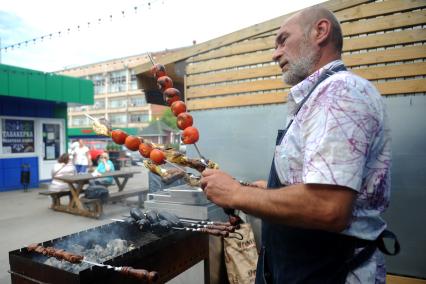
[{"x": 341, "y": 136}]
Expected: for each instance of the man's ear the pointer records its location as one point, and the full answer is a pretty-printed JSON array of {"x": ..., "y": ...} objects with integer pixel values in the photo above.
[{"x": 322, "y": 31}]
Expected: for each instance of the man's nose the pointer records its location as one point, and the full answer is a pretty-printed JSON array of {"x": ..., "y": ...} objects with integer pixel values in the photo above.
[{"x": 276, "y": 55}]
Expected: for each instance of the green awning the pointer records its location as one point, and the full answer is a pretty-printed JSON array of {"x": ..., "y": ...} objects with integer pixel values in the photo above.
[{"x": 32, "y": 84}]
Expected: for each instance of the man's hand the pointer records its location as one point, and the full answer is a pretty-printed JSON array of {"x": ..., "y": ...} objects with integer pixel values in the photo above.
[{"x": 219, "y": 187}]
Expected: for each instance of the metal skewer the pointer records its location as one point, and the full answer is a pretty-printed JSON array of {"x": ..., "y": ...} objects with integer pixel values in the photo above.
[
  {"x": 141, "y": 274},
  {"x": 151, "y": 59},
  {"x": 202, "y": 158}
]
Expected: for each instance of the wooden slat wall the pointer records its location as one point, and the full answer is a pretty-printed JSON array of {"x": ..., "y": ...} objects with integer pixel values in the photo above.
[{"x": 384, "y": 42}]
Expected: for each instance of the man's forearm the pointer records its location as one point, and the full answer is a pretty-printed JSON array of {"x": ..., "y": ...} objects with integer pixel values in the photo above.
[{"x": 308, "y": 206}]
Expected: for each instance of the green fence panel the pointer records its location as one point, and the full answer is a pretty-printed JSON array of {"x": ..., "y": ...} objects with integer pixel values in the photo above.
[
  {"x": 71, "y": 88},
  {"x": 86, "y": 92},
  {"x": 54, "y": 88},
  {"x": 18, "y": 82},
  {"x": 4, "y": 80},
  {"x": 36, "y": 85}
]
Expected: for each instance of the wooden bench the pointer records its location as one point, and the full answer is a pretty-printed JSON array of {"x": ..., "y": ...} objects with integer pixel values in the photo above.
[
  {"x": 56, "y": 196},
  {"x": 95, "y": 205}
]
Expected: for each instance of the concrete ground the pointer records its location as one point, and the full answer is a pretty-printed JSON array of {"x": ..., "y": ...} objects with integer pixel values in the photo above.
[{"x": 25, "y": 218}]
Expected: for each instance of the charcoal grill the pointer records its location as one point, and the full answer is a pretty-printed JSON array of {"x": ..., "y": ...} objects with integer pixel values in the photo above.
[{"x": 169, "y": 254}]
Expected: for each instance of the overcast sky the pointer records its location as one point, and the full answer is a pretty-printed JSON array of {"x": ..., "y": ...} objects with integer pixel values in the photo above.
[{"x": 152, "y": 26}]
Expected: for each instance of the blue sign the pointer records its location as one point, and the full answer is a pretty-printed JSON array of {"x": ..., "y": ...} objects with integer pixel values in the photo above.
[{"x": 17, "y": 136}]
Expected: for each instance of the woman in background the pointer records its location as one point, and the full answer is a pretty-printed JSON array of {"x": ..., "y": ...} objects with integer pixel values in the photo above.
[
  {"x": 104, "y": 166},
  {"x": 63, "y": 167}
]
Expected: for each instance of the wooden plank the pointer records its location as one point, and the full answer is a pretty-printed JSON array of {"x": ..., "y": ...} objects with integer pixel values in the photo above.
[
  {"x": 343, "y": 4},
  {"x": 238, "y": 48},
  {"x": 238, "y": 100},
  {"x": 397, "y": 54},
  {"x": 244, "y": 87},
  {"x": 228, "y": 62},
  {"x": 392, "y": 71},
  {"x": 385, "y": 88},
  {"x": 231, "y": 75},
  {"x": 387, "y": 39},
  {"x": 379, "y": 9},
  {"x": 384, "y": 23},
  {"x": 390, "y": 55},
  {"x": 372, "y": 25},
  {"x": 394, "y": 279},
  {"x": 402, "y": 87},
  {"x": 370, "y": 73},
  {"x": 240, "y": 35}
]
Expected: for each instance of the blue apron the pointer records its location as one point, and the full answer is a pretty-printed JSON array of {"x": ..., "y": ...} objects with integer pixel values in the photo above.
[{"x": 296, "y": 255}]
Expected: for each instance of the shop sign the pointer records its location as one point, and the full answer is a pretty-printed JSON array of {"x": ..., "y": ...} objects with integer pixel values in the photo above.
[{"x": 17, "y": 136}]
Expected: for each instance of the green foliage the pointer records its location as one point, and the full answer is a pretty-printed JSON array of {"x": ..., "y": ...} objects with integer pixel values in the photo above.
[{"x": 169, "y": 118}]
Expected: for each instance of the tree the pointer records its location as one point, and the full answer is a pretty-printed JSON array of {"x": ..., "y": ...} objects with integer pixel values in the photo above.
[{"x": 169, "y": 118}]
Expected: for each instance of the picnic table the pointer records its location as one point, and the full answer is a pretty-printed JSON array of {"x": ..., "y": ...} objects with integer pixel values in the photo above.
[{"x": 92, "y": 207}]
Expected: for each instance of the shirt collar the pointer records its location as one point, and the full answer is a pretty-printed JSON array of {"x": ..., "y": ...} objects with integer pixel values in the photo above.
[{"x": 299, "y": 91}]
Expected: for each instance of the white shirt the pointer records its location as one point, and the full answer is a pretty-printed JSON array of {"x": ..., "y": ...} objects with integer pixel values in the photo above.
[
  {"x": 341, "y": 137},
  {"x": 59, "y": 170},
  {"x": 81, "y": 154}
]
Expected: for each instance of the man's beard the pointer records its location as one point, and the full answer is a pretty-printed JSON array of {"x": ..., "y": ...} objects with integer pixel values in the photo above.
[{"x": 302, "y": 67}]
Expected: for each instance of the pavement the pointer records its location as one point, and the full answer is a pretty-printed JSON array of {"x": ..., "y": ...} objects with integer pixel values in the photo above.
[{"x": 25, "y": 218}]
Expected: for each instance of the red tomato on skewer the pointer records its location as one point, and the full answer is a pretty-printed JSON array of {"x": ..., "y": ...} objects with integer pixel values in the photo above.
[
  {"x": 158, "y": 70},
  {"x": 157, "y": 156},
  {"x": 132, "y": 142},
  {"x": 164, "y": 83},
  {"x": 178, "y": 107},
  {"x": 184, "y": 120},
  {"x": 145, "y": 149},
  {"x": 190, "y": 135},
  {"x": 119, "y": 136}
]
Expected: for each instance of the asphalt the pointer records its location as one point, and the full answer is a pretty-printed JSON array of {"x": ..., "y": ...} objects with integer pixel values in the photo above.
[{"x": 25, "y": 218}]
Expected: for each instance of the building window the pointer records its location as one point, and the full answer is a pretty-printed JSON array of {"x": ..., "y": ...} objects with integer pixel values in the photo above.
[
  {"x": 99, "y": 104},
  {"x": 117, "y": 103},
  {"x": 133, "y": 81},
  {"x": 117, "y": 81},
  {"x": 80, "y": 121},
  {"x": 137, "y": 101},
  {"x": 135, "y": 118},
  {"x": 98, "y": 83},
  {"x": 118, "y": 118}
]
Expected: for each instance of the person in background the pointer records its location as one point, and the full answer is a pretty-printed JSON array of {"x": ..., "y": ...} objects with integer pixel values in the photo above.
[
  {"x": 104, "y": 166},
  {"x": 82, "y": 157},
  {"x": 330, "y": 176},
  {"x": 63, "y": 167}
]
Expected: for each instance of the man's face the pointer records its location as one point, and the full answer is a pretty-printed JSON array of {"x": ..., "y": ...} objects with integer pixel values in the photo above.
[{"x": 294, "y": 52}]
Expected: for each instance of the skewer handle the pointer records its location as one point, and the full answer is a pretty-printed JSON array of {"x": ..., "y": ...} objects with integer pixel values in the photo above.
[{"x": 141, "y": 274}]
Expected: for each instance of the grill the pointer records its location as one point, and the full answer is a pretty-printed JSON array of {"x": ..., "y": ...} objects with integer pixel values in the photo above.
[{"x": 120, "y": 244}]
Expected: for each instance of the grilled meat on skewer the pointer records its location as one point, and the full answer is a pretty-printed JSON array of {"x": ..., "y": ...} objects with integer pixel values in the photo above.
[{"x": 59, "y": 254}]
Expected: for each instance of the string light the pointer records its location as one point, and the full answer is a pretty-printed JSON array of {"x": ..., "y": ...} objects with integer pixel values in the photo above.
[{"x": 67, "y": 30}]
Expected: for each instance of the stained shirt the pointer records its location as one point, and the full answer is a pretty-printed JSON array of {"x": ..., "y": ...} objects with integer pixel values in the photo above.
[{"x": 341, "y": 137}]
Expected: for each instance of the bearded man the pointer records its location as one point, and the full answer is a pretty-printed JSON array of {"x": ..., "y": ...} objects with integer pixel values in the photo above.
[{"x": 330, "y": 176}]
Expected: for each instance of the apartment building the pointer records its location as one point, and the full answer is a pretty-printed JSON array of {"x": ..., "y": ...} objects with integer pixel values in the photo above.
[{"x": 117, "y": 95}]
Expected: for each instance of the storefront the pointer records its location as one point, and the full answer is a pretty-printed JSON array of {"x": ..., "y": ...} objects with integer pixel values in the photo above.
[{"x": 33, "y": 121}]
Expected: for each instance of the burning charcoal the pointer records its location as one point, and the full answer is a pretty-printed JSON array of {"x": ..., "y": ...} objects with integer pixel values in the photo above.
[
  {"x": 172, "y": 218},
  {"x": 152, "y": 217},
  {"x": 117, "y": 247},
  {"x": 144, "y": 225},
  {"x": 161, "y": 227},
  {"x": 136, "y": 214}
]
